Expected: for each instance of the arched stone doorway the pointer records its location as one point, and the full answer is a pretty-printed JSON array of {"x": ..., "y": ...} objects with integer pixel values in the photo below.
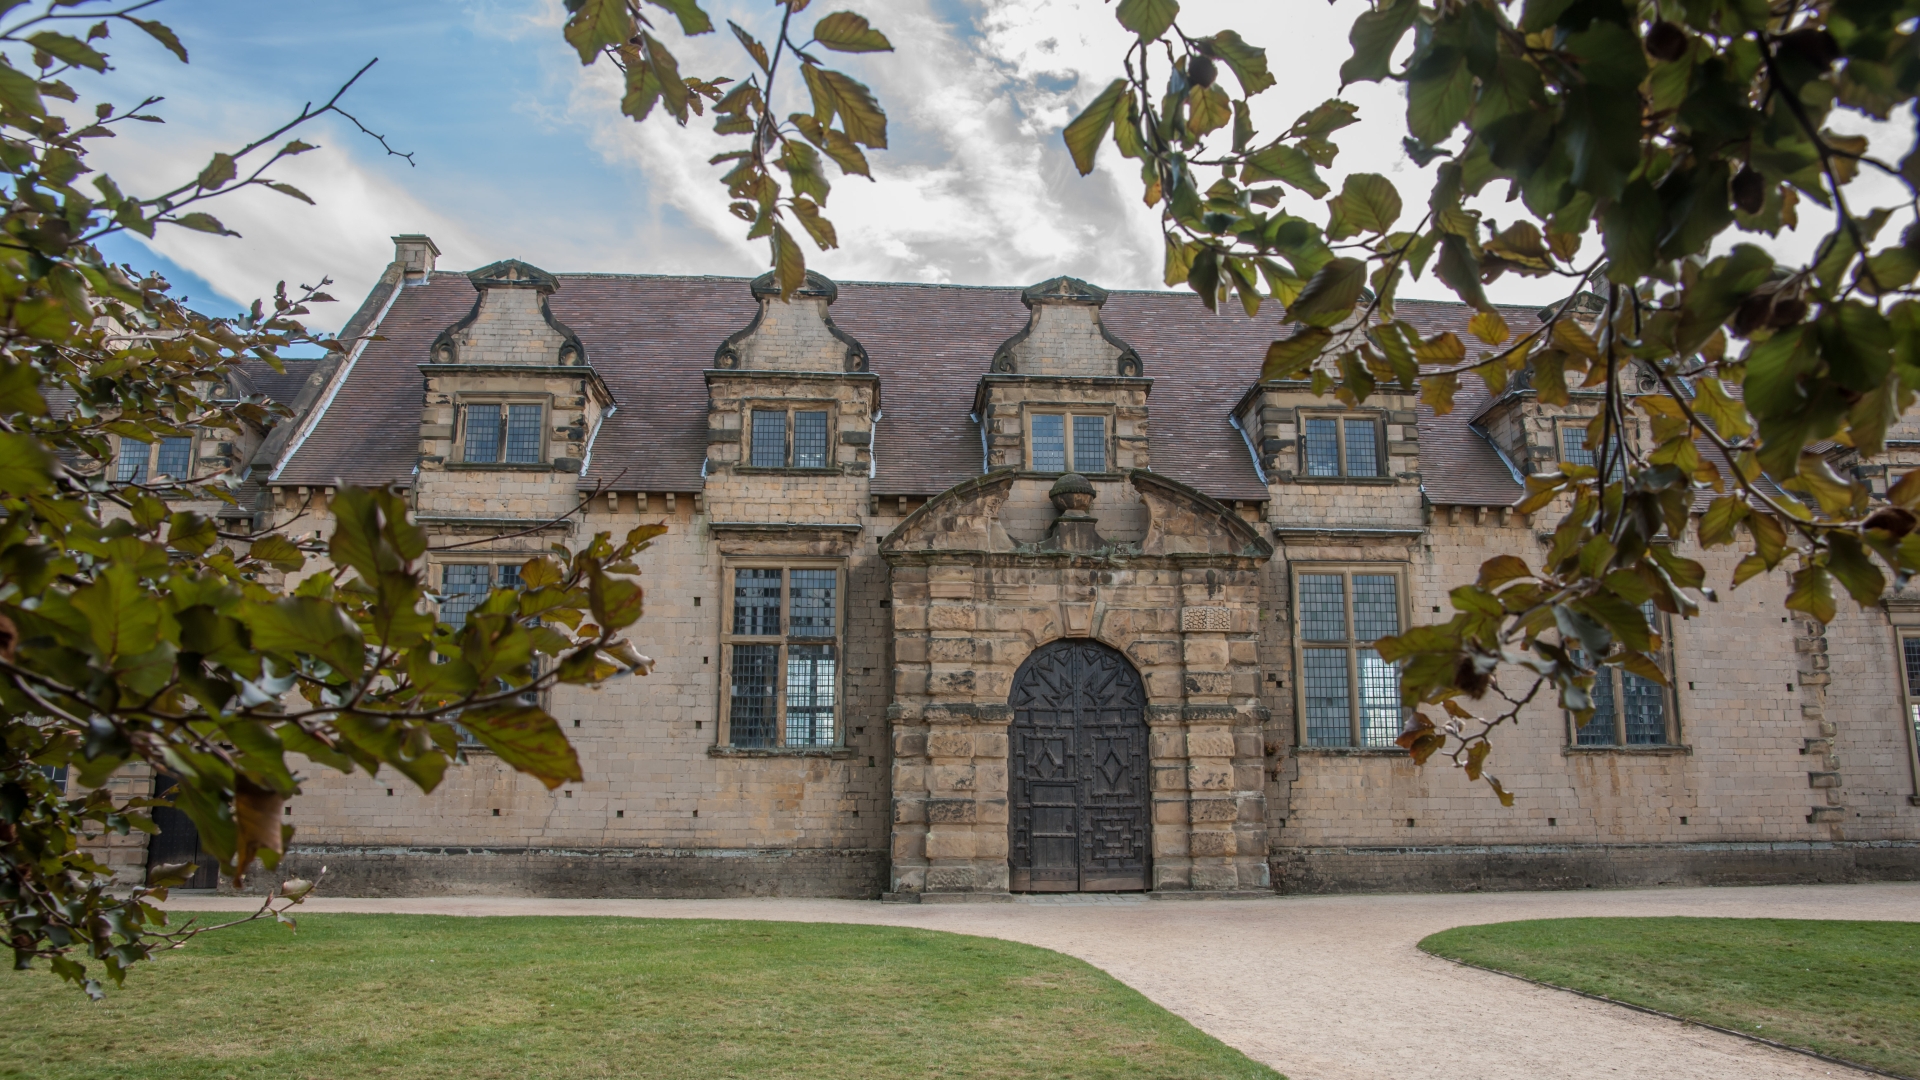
[{"x": 1077, "y": 769}]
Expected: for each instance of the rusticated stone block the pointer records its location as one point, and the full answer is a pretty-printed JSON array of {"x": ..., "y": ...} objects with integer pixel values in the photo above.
[
  {"x": 951, "y": 811},
  {"x": 1210, "y": 842},
  {"x": 1213, "y": 810}
]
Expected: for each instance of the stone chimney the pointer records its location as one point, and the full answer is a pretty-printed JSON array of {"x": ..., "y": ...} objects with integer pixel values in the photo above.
[{"x": 415, "y": 255}]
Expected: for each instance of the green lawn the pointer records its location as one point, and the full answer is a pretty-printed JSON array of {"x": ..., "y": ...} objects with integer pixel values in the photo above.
[
  {"x": 390, "y": 996},
  {"x": 1847, "y": 989}
]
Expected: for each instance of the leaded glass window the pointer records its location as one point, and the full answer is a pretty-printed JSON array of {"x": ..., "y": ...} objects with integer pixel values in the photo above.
[
  {"x": 462, "y": 587},
  {"x": 810, "y": 440},
  {"x": 1628, "y": 709},
  {"x": 174, "y": 458},
  {"x": 524, "y": 445},
  {"x": 131, "y": 466},
  {"x": 1350, "y": 696},
  {"x": 782, "y": 654},
  {"x": 1340, "y": 446},
  {"x": 483, "y": 434},
  {"x": 1910, "y": 652},
  {"x": 769, "y": 439},
  {"x": 1068, "y": 442},
  {"x": 1089, "y": 444},
  {"x": 1049, "y": 442}
]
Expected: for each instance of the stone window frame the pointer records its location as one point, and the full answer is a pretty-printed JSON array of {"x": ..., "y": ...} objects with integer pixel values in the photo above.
[
  {"x": 152, "y": 455},
  {"x": 457, "y": 457},
  {"x": 1562, "y": 424},
  {"x": 1069, "y": 410},
  {"x": 790, "y": 406},
  {"x": 1669, "y": 703},
  {"x": 436, "y": 579},
  {"x": 1401, "y": 570},
  {"x": 1906, "y": 627},
  {"x": 723, "y": 734},
  {"x": 1379, "y": 419}
]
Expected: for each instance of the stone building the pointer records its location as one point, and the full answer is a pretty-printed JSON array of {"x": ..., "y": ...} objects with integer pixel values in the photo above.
[{"x": 977, "y": 590}]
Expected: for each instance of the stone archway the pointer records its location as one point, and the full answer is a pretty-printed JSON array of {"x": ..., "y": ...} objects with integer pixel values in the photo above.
[{"x": 1079, "y": 815}]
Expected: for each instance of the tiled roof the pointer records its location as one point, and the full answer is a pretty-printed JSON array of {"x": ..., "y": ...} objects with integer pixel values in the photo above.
[
  {"x": 281, "y": 387},
  {"x": 650, "y": 338}
]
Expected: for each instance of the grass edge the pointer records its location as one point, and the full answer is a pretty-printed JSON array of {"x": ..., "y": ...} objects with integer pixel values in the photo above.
[{"x": 1762, "y": 1040}]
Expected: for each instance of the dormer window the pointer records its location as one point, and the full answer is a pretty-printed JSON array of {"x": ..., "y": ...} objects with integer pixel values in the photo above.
[
  {"x": 1337, "y": 445},
  {"x": 783, "y": 438},
  {"x": 1067, "y": 442},
  {"x": 171, "y": 457},
  {"x": 502, "y": 432}
]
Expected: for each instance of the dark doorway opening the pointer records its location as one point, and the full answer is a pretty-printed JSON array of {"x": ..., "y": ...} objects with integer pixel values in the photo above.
[
  {"x": 178, "y": 841},
  {"x": 1077, "y": 771}
]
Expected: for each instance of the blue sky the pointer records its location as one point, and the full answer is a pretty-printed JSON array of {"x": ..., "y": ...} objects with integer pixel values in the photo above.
[{"x": 520, "y": 152}]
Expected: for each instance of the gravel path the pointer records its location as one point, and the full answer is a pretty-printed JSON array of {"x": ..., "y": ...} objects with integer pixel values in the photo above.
[{"x": 1324, "y": 988}]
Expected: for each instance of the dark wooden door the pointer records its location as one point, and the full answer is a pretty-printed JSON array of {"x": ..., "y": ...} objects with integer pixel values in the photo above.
[
  {"x": 1078, "y": 772},
  {"x": 178, "y": 841}
]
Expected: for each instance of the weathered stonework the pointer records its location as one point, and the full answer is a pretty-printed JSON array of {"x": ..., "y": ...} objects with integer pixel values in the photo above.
[{"x": 1790, "y": 755}]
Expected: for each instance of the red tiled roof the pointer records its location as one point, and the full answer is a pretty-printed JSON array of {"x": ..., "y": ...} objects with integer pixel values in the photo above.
[{"x": 650, "y": 338}]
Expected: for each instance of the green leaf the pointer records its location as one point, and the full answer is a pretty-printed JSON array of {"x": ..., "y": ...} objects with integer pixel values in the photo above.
[
  {"x": 673, "y": 89},
  {"x": 191, "y": 533},
  {"x": 1631, "y": 229},
  {"x": 1084, "y": 134},
  {"x": 1374, "y": 36},
  {"x": 206, "y": 223},
  {"x": 817, "y": 226},
  {"x": 526, "y": 738},
  {"x": 1249, "y": 63},
  {"x": 122, "y": 617},
  {"x": 307, "y": 626},
  {"x": 25, "y": 465},
  {"x": 1812, "y": 593},
  {"x": 860, "y": 114},
  {"x": 1330, "y": 294},
  {"x": 70, "y": 50},
  {"x": 162, "y": 34},
  {"x": 843, "y": 31},
  {"x": 1849, "y": 561},
  {"x": 1438, "y": 97},
  {"x": 1147, "y": 18},
  {"x": 1489, "y": 327},
  {"x": 597, "y": 24},
  {"x": 19, "y": 92},
  {"x": 692, "y": 19},
  {"x": 789, "y": 264},
  {"x": 278, "y": 552},
  {"x": 1209, "y": 109},
  {"x": 1367, "y": 203},
  {"x": 1459, "y": 270},
  {"x": 1289, "y": 358},
  {"x": 1286, "y": 164}
]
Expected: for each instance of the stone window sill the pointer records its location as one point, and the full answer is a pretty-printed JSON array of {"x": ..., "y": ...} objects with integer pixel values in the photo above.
[
  {"x": 787, "y": 470},
  {"x": 500, "y": 466},
  {"x": 780, "y": 751},
  {"x": 1665, "y": 750},
  {"x": 1364, "y": 481},
  {"x": 1350, "y": 751}
]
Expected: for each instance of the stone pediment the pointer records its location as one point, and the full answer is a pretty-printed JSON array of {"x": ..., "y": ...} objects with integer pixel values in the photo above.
[
  {"x": 1181, "y": 521},
  {"x": 795, "y": 336},
  {"x": 1184, "y": 521},
  {"x": 965, "y": 517},
  {"x": 510, "y": 323},
  {"x": 1064, "y": 335}
]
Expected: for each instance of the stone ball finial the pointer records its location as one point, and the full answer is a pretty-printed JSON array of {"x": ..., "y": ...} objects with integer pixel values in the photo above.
[{"x": 1071, "y": 494}]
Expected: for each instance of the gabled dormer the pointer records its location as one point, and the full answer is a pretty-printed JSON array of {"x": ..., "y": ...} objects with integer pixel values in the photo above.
[
  {"x": 1065, "y": 394},
  {"x": 507, "y": 390},
  {"x": 790, "y": 413}
]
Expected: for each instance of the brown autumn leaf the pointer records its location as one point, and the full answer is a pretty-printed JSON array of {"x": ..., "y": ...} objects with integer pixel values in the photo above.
[{"x": 256, "y": 819}]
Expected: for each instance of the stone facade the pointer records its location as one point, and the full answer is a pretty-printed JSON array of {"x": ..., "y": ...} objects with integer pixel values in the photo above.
[{"x": 1781, "y": 752}]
